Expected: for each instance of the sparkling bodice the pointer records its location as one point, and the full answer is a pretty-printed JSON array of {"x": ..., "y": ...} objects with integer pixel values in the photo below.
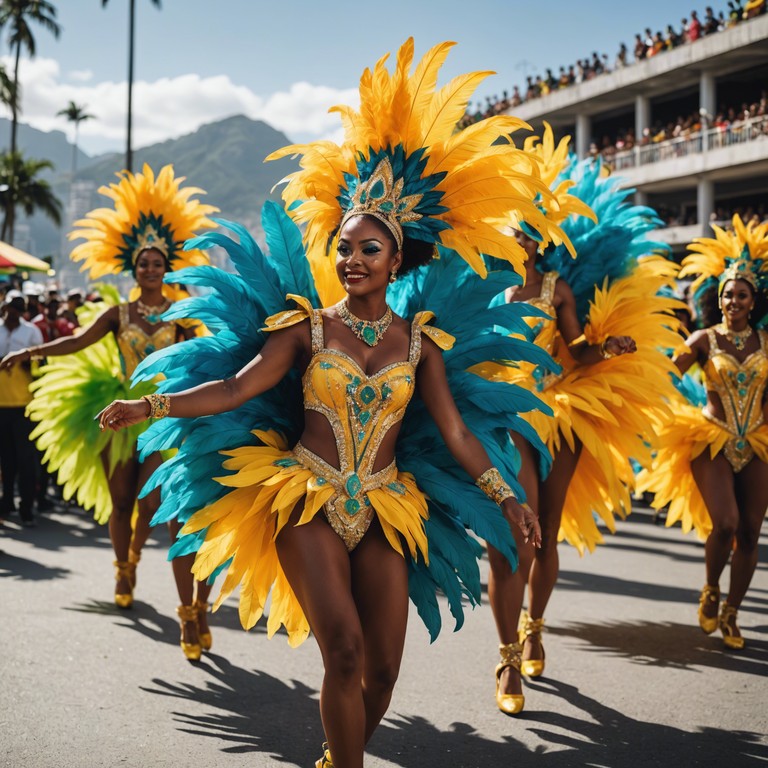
[
  {"x": 360, "y": 408},
  {"x": 135, "y": 343},
  {"x": 740, "y": 387},
  {"x": 545, "y": 332}
]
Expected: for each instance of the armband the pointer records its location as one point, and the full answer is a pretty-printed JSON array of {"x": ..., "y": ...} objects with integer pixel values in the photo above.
[
  {"x": 492, "y": 484},
  {"x": 159, "y": 405}
]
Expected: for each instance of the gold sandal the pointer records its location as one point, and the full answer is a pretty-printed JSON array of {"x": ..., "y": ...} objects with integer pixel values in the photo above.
[
  {"x": 126, "y": 569},
  {"x": 192, "y": 651},
  {"x": 511, "y": 655},
  {"x": 325, "y": 760},
  {"x": 531, "y": 628},
  {"x": 710, "y": 596},
  {"x": 206, "y": 639},
  {"x": 728, "y": 626}
]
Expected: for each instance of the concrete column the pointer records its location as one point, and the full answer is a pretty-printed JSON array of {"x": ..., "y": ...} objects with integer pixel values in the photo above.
[
  {"x": 583, "y": 135},
  {"x": 642, "y": 115},
  {"x": 707, "y": 105},
  {"x": 705, "y": 204},
  {"x": 641, "y": 198}
]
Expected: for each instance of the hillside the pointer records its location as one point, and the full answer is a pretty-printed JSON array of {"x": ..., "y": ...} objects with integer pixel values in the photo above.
[{"x": 224, "y": 158}]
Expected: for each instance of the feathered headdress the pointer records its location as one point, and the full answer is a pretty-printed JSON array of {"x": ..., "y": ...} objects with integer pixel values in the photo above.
[
  {"x": 554, "y": 161},
  {"x": 149, "y": 212},
  {"x": 741, "y": 253},
  {"x": 403, "y": 161}
]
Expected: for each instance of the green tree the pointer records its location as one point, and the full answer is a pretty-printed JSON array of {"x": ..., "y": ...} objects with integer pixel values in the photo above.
[
  {"x": 131, "y": 25},
  {"x": 16, "y": 16},
  {"x": 75, "y": 114},
  {"x": 21, "y": 187}
]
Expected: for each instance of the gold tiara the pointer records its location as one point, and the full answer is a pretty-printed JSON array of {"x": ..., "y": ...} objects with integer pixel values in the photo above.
[{"x": 150, "y": 238}]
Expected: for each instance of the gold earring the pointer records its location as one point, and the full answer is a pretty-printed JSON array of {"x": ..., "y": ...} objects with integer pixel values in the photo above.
[{"x": 392, "y": 276}]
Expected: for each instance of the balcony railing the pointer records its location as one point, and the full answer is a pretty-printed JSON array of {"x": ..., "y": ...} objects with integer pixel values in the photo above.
[{"x": 693, "y": 144}]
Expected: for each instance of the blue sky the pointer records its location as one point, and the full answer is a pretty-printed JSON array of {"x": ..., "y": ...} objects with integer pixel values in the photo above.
[{"x": 287, "y": 62}]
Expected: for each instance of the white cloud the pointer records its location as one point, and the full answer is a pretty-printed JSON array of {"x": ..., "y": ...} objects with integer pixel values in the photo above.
[
  {"x": 170, "y": 107},
  {"x": 81, "y": 75}
]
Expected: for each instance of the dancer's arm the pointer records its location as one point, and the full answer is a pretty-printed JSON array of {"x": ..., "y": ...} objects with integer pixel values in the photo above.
[
  {"x": 266, "y": 370},
  {"x": 697, "y": 348},
  {"x": 105, "y": 323},
  {"x": 463, "y": 445},
  {"x": 570, "y": 329}
]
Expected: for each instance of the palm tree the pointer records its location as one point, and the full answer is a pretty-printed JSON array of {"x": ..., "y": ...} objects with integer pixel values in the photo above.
[
  {"x": 20, "y": 187},
  {"x": 8, "y": 91},
  {"x": 131, "y": 24},
  {"x": 16, "y": 15},
  {"x": 75, "y": 114}
]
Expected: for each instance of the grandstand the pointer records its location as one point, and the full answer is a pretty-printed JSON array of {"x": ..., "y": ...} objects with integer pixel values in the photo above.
[{"x": 694, "y": 171}]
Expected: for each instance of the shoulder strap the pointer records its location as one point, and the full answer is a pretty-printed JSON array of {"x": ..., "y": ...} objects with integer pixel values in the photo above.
[
  {"x": 123, "y": 315},
  {"x": 414, "y": 351},
  {"x": 713, "y": 345},
  {"x": 443, "y": 340},
  {"x": 548, "y": 286},
  {"x": 762, "y": 336},
  {"x": 318, "y": 337}
]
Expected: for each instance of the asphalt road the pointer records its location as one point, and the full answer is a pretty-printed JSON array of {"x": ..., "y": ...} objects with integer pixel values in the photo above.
[{"x": 630, "y": 680}]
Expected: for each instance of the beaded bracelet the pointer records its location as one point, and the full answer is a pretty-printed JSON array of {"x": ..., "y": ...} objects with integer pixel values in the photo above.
[
  {"x": 159, "y": 405},
  {"x": 492, "y": 484}
]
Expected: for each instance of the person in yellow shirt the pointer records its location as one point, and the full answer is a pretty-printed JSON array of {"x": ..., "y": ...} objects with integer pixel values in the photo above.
[{"x": 18, "y": 460}]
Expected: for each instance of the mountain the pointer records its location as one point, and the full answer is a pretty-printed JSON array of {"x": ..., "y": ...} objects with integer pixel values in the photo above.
[{"x": 224, "y": 158}]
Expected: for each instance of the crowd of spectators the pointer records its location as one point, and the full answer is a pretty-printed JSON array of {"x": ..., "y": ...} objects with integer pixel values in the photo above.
[
  {"x": 729, "y": 122},
  {"x": 646, "y": 45},
  {"x": 685, "y": 216}
]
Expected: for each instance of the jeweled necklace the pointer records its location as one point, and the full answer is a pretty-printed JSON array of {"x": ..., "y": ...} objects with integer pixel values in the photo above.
[
  {"x": 152, "y": 314},
  {"x": 737, "y": 338},
  {"x": 369, "y": 331}
]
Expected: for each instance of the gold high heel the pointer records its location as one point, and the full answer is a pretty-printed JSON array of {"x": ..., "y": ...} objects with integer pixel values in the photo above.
[
  {"x": 728, "y": 626},
  {"x": 511, "y": 655},
  {"x": 126, "y": 569},
  {"x": 206, "y": 639},
  {"x": 531, "y": 628},
  {"x": 709, "y": 596},
  {"x": 325, "y": 760},
  {"x": 191, "y": 650}
]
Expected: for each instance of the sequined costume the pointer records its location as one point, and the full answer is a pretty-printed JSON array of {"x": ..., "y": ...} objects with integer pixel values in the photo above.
[
  {"x": 149, "y": 211},
  {"x": 742, "y": 436},
  {"x": 610, "y": 407}
]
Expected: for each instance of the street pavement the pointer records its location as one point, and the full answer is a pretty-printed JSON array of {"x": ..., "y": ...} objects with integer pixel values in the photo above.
[{"x": 630, "y": 679}]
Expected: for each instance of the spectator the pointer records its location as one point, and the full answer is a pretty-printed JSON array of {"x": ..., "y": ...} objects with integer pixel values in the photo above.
[
  {"x": 621, "y": 57},
  {"x": 74, "y": 302},
  {"x": 639, "y": 48},
  {"x": 710, "y": 22},
  {"x": 51, "y": 324},
  {"x": 18, "y": 458},
  {"x": 694, "y": 29}
]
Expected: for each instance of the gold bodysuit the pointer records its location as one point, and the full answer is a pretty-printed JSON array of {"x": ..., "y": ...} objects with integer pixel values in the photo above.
[
  {"x": 740, "y": 387},
  {"x": 545, "y": 335},
  {"x": 360, "y": 409},
  {"x": 135, "y": 343},
  {"x": 269, "y": 480}
]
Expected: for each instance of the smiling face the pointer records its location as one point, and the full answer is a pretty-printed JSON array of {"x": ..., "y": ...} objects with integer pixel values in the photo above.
[
  {"x": 150, "y": 268},
  {"x": 366, "y": 255},
  {"x": 736, "y": 302}
]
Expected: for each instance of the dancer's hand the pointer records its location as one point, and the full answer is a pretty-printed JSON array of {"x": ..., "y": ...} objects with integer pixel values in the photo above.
[
  {"x": 12, "y": 358},
  {"x": 620, "y": 345},
  {"x": 524, "y": 518},
  {"x": 123, "y": 413}
]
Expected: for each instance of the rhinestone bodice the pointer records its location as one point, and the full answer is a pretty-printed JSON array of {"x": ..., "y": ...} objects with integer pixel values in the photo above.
[
  {"x": 360, "y": 409},
  {"x": 545, "y": 333},
  {"x": 740, "y": 386},
  {"x": 135, "y": 343}
]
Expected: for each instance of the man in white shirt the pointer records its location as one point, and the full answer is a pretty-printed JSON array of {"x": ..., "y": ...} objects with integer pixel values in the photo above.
[{"x": 18, "y": 458}]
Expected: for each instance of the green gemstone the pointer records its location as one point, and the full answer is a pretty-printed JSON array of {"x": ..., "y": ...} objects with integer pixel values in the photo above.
[
  {"x": 369, "y": 336},
  {"x": 742, "y": 393},
  {"x": 367, "y": 394},
  {"x": 353, "y": 485},
  {"x": 352, "y": 506},
  {"x": 741, "y": 377},
  {"x": 285, "y": 463},
  {"x": 363, "y": 417}
]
